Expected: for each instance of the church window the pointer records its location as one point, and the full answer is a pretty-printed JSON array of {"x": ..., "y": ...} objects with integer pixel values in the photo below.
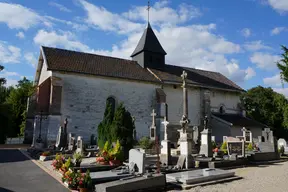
[
  {"x": 112, "y": 101},
  {"x": 222, "y": 109}
]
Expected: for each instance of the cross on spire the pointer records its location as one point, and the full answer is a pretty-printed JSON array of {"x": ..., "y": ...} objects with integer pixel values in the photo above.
[{"x": 148, "y": 9}]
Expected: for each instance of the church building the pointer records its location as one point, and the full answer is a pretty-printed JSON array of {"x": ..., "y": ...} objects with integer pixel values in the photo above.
[{"x": 77, "y": 85}]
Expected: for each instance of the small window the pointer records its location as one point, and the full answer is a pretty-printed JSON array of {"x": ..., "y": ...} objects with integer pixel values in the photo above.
[
  {"x": 112, "y": 101},
  {"x": 222, "y": 109}
]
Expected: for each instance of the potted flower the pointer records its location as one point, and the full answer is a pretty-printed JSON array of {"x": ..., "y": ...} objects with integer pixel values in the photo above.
[
  {"x": 58, "y": 161},
  {"x": 85, "y": 181},
  {"x": 77, "y": 158},
  {"x": 44, "y": 155},
  {"x": 65, "y": 167},
  {"x": 116, "y": 155},
  {"x": 71, "y": 179}
]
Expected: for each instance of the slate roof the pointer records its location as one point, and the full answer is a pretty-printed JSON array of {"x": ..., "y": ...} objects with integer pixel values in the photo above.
[
  {"x": 239, "y": 120},
  {"x": 86, "y": 63},
  {"x": 149, "y": 42},
  {"x": 172, "y": 73}
]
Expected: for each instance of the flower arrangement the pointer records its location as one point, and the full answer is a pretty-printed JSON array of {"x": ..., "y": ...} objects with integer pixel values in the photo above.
[
  {"x": 85, "y": 181},
  {"x": 68, "y": 164},
  {"x": 46, "y": 153},
  {"x": 58, "y": 161},
  {"x": 224, "y": 147},
  {"x": 77, "y": 158},
  {"x": 108, "y": 155},
  {"x": 71, "y": 178}
]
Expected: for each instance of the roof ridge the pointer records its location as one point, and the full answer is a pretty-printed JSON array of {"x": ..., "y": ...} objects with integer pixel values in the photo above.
[
  {"x": 88, "y": 53},
  {"x": 194, "y": 68}
]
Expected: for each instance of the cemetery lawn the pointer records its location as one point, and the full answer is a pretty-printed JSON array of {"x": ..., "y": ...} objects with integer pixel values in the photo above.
[
  {"x": 20, "y": 174},
  {"x": 262, "y": 178}
]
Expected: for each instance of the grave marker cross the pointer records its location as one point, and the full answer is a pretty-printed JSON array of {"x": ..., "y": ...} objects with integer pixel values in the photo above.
[
  {"x": 165, "y": 123},
  {"x": 184, "y": 77},
  {"x": 153, "y": 114}
]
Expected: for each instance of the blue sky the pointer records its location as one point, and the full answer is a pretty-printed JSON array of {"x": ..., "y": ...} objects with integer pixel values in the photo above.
[{"x": 239, "y": 38}]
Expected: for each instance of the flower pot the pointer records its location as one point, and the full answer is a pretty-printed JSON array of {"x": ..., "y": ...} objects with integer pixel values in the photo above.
[{"x": 83, "y": 189}]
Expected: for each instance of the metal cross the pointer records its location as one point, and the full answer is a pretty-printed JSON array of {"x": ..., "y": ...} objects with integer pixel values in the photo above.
[
  {"x": 153, "y": 114},
  {"x": 184, "y": 77},
  {"x": 148, "y": 9},
  {"x": 165, "y": 123}
]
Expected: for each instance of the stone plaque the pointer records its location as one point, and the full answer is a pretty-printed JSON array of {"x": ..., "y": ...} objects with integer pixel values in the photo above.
[{"x": 235, "y": 147}]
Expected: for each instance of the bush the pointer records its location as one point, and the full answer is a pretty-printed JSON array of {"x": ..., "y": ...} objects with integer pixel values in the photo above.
[
  {"x": 145, "y": 143},
  {"x": 224, "y": 147},
  {"x": 281, "y": 150}
]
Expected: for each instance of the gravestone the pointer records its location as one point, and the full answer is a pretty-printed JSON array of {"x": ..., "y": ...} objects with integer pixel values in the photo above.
[
  {"x": 153, "y": 127},
  {"x": 181, "y": 162},
  {"x": 206, "y": 144},
  {"x": 165, "y": 146},
  {"x": 93, "y": 140},
  {"x": 60, "y": 137},
  {"x": 137, "y": 160},
  {"x": 282, "y": 142},
  {"x": 80, "y": 147},
  {"x": 236, "y": 147},
  {"x": 71, "y": 142}
]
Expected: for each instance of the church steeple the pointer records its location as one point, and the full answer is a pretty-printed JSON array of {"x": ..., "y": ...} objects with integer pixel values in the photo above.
[{"x": 149, "y": 52}]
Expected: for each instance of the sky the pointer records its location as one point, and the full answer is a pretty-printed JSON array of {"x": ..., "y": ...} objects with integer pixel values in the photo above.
[{"x": 241, "y": 38}]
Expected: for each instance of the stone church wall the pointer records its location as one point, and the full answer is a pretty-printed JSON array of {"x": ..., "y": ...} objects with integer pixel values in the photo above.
[
  {"x": 174, "y": 100},
  {"x": 44, "y": 73},
  {"x": 229, "y": 99},
  {"x": 84, "y": 101}
]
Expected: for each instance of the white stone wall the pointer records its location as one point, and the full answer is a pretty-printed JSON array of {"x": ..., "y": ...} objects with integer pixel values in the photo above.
[
  {"x": 174, "y": 99},
  {"x": 229, "y": 99},
  {"x": 84, "y": 101},
  {"x": 44, "y": 73}
]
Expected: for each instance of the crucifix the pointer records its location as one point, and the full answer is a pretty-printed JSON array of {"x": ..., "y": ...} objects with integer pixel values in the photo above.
[
  {"x": 148, "y": 9},
  {"x": 165, "y": 123},
  {"x": 153, "y": 126},
  {"x": 153, "y": 114}
]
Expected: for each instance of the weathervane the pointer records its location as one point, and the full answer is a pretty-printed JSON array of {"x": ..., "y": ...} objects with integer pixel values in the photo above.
[{"x": 148, "y": 9}]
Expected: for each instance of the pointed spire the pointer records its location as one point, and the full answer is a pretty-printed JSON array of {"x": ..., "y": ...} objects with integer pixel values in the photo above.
[{"x": 149, "y": 42}]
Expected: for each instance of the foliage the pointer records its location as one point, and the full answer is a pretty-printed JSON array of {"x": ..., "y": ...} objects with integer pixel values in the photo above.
[
  {"x": 224, "y": 147},
  {"x": 122, "y": 128},
  {"x": 68, "y": 164},
  {"x": 146, "y": 143},
  {"x": 268, "y": 107},
  {"x": 281, "y": 150},
  {"x": 283, "y": 64},
  {"x": 104, "y": 126},
  {"x": 58, "y": 161},
  {"x": 85, "y": 180},
  {"x": 72, "y": 178},
  {"x": 2, "y": 80},
  {"x": 77, "y": 157},
  {"x": 109, "y": 153},
  {"x": 250, "y": 147},
  {"x": 213, "y": 144},
  {"x": 5, "y": 122}
]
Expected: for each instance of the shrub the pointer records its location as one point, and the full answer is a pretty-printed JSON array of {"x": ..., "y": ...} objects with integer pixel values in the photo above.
[
  {"x": 145, "y": 143},
  {"x": 281, "y": 150},
  {"x": 250, "y": 147},
  {"x": 224, "y": 147}
]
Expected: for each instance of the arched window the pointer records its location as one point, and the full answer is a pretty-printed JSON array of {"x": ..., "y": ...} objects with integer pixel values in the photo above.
[
  {"x": 222, "y": 109},
  {"x": 112, "y": 101}
]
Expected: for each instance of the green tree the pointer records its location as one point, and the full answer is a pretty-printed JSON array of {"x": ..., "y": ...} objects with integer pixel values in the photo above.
[
  {"x": 122, "y": 128},
  {"x": 2, "y": 80},
  {"x": 283, "y": 64},
  {"x": 267, "y": 107},
  {"x": 104, "y": 127},
  {"x": 17, "y": 100}
]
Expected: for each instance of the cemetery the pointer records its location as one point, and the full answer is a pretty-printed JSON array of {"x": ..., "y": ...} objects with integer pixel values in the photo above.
[{"x": 154, "y": 163}]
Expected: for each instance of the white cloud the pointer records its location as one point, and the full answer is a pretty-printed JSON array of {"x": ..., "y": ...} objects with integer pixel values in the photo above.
[
  {"x": 31, "y": 59},
  {"x": 65, "y": 39},
  {"x": 9, "y": 53},
  {"x": 250, "y": 72},
  {"x": 9, "y": 76},
  {"x": 265, "y": 60},
  {"x": 59, "y": 6},
  {"x": 274, "y": 81},
  {"x": 5, "y": 73},
  {"x": 246, "y": 32},
  {"x": 11, "y": 82},
  {"x": 18, "y": 17},
  {"x": 279, "y": 5},
  {"x": 278, "y": 30},
  {"x": 255, "y": 46},
  {"x": 76, "y": 26},
  {"x": 283, "y": 91},
  {"x": 20, "y": 35},
  {"x": 161, "y": 13}
]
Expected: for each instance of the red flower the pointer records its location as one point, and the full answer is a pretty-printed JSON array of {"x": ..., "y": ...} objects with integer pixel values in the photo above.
[{"x": 80, "y": 182}]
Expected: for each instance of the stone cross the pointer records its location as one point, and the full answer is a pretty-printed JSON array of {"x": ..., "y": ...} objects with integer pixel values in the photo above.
[
  {"x": 205, "y": 122},
  {"x": 184, "y": 77},
  {"x": 184, "y": 121},
  {"x": 153, "y": 114},
  {"x": 165, "y": 123}
]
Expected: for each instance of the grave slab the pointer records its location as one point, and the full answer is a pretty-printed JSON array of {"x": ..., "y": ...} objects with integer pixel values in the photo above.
[
  {"x": 199, "y": 176},
  {"x": 107, "y": 176},
  {"x": 133, "y": 184}
]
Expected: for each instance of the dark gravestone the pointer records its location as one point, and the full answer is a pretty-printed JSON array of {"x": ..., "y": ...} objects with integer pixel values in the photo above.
[
  {"x": 235, "y": 147},
  {"x": 93, "y": 140}
]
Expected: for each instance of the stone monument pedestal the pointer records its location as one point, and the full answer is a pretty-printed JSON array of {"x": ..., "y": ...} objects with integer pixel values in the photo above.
[
  {"x": 206, "y": 143},
  {"x": 165, "y": 156},
  {"x": 186, "y": 145}
]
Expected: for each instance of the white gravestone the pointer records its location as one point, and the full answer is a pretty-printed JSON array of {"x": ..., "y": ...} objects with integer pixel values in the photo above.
[
  {"x": 80, "y": 146},
  {"x": 137, "y": 158},
  {"x": 165, "y": 145}
]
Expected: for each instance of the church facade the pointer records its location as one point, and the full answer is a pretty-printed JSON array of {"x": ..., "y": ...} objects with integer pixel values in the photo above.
[{"x": 76, "y": 86}]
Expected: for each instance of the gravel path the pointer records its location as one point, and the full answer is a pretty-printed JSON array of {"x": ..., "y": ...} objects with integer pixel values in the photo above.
[{"x": 265, "y": 178}]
